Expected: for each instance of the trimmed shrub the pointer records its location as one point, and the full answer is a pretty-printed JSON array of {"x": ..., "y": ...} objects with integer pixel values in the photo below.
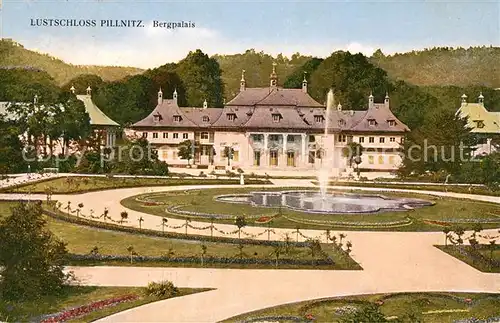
[{"x": 161, "y": 289}]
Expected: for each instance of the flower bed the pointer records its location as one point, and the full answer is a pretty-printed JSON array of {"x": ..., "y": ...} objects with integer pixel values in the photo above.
[
  {"x": 76, "y": 312},
  {"x": 264, "y": 219}
]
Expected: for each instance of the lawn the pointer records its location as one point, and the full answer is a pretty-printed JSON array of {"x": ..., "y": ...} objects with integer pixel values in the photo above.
[
  {"x": 485, "y": 258},
  {"x": 82, "y": 239},
  {"x": 74, "y": 296},
  {"x": 445, "y": 212},
  {"x": 407, "y": 307},
  {"x": 80, "y": 184}
]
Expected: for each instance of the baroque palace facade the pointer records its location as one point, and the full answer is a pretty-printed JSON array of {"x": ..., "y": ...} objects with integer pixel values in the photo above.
[{"x": 274, "y": 128}]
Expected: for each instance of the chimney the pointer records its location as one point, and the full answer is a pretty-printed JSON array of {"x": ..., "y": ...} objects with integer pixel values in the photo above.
[
  {"x": 205, "y": 104},
  {"x": 386, "y": 100},
  {"x": 370, "y": 101},
  {"x": 89, "y": 90}
]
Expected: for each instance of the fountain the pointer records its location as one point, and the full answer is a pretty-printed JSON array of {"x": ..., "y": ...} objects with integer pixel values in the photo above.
[{"x": 324, "y": 171}]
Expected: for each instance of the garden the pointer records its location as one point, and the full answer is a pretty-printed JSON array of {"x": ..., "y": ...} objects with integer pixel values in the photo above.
[
  {"x": 397, "y": 307},
  {"x": 82, "y": 184},
  {"x": 202, "y": 205},
  {"x": 88, "y": 303},
  {"x": 94, "y": 243},
  {"x": 482, "y": 256}
]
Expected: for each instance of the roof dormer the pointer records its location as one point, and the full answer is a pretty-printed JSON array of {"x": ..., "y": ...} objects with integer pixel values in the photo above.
[
  {"x": 231, "y": 116},
  {"x": 177, "y": 118},
  {"x": 372, "y": 122}
]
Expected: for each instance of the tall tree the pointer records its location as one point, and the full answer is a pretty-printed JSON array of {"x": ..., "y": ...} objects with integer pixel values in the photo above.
[
  {"x": 31, "y": 257},
  {"x": 201, "y": 76},
  {"x": 11, "y": 147}
]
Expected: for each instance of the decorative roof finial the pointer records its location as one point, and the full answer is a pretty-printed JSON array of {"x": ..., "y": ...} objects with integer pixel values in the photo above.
[
  {"x": 274, "y": 76},
  {"x": 243, "y": 83},
  {"x": 243, "y": 75},
  {"x": 72, "y": 89},
  {"x": 481, "y": 97},
  {"x": 89, "y": 90},
  {"x": 464, "y": 98}
]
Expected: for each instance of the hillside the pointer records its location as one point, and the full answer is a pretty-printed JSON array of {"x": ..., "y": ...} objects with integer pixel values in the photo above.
[
  {"x": 444, "y": 66},
  {"x": 13, "y": 54}
]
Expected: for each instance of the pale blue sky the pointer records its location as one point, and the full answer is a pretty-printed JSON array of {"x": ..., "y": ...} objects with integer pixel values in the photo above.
[{"x": 315, "y": 28}]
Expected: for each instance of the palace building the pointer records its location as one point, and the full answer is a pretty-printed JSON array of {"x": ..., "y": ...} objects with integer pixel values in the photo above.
[
  {"x": 274, "y": 128},
  {"x": 484, "y": 123}
]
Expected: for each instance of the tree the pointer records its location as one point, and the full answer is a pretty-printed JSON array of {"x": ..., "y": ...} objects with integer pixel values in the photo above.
[
  {"x": 490, "y": 165},
  {"x": 352, "y": 151},
  {"x": 11, "y": 147},
  {"x": 240, "y": 222},
  {"x": 185, "y": 150},
  {"x": 277, "y": 253},
  {"x": 31, "y": 257},
  {"x": 201, "y": 76},
  {"x": 131, "y": 252},
  {"x": 124, "y": 216},
  {"x": 203, "y": 253},
  {"x": 446, "y": 232}
]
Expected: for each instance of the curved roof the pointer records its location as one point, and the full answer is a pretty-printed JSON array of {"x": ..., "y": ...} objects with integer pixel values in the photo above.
[
  {"x": 97, "y": 117},
  {"x": 477, "y": 112}
]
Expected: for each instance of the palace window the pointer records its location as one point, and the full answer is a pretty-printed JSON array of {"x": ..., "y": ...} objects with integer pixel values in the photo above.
[
  {"x": 318, "y": 118},
  {"x": 231, "y": 116},
  {"x": 380, "y": 159},
  {"x": 392, "y": 123},
  {"x": 392, "y": 139},
  {"x": 372, "y": 122},
  {"x": 342, "y": 122},
  {"x": 276, "y": 117},
  {"x": 204, "y": 135},
  {"x": 177, "y": 118},
  {"x": 165, "y": 135},
  {"x": 312, "y": 138},
  {"x": 144, "y": 135},
  {"x": 479, "y": 123},
  {"x": 274, "y": 137},
  {"x": 155, "y": 135},
  {"x": 205, "y": 119},
  {"x": 342, "y": 138},
  {"x": 184, "y": 136},
  {"x": 371, "y": 160},
  {"x": 392, "y": 160},
  {"x": 361, "y": 139},
  {"x": 290, "y": 138},
  {"x": 381, "y": 140},
  {"x": 371, "y": 140},
  {"x": 176, "y": 135}
]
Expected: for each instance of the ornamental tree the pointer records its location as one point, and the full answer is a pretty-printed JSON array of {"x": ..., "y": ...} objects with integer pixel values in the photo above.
[{"x": 31, "y": 257}]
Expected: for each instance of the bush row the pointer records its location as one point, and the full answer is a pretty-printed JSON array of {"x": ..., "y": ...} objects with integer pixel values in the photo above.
[{"x": 196, "y": 260}]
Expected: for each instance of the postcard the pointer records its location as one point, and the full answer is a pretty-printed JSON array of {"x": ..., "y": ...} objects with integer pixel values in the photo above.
[{"x": 239, "y": 161}]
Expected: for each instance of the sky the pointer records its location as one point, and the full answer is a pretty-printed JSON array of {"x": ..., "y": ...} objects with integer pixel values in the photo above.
[{"x": 226, "y": 27}]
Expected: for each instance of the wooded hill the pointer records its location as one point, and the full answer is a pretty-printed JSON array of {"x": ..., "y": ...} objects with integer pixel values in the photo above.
[
  {"x": 444, "y": 66},
  {"x": 13, "y": 54}
]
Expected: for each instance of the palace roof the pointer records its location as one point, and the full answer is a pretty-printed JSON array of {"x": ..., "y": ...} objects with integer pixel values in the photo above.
[
  {"x": 97, "y": 117},
  {"x": 480, "y": 119},
  {"x": 273, "y": 107}
]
